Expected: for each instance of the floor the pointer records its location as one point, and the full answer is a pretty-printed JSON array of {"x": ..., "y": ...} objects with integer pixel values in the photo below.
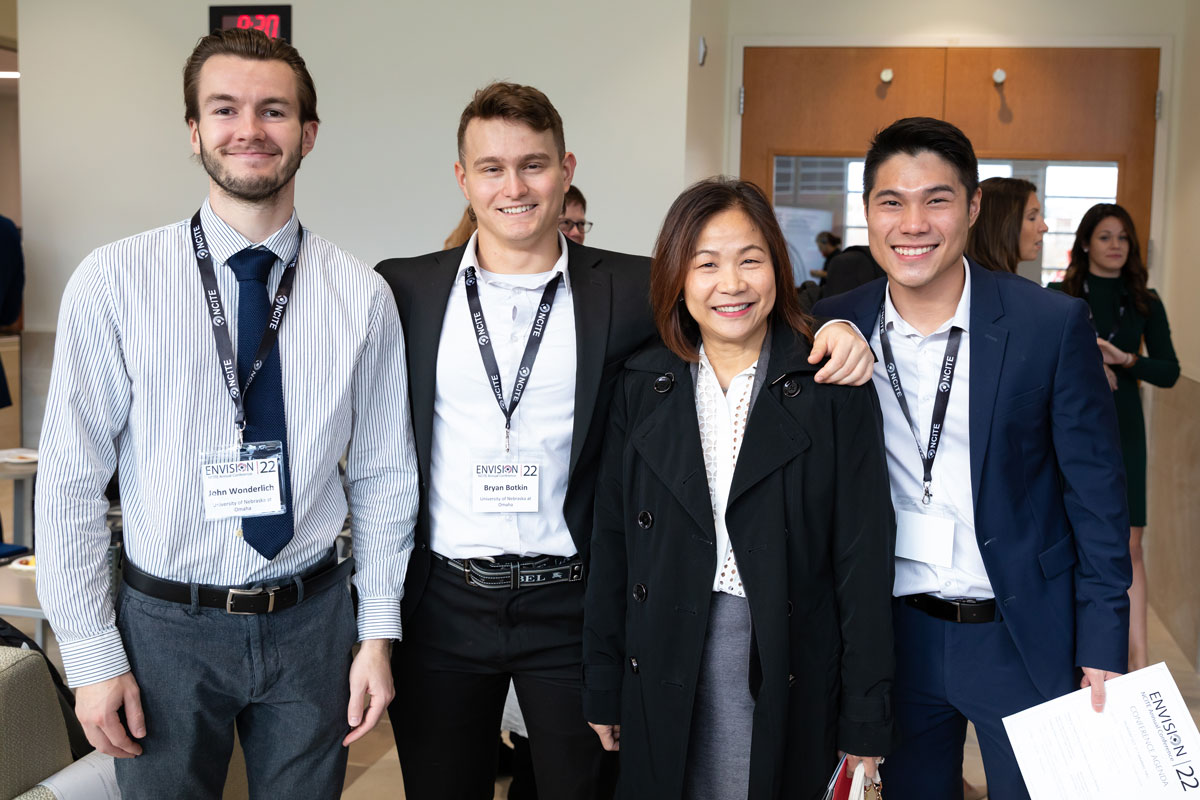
[{"x": 374, "y": 770}]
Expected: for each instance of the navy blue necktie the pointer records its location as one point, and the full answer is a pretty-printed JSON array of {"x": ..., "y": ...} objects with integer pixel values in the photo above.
[{"x": 265, "y": 420}]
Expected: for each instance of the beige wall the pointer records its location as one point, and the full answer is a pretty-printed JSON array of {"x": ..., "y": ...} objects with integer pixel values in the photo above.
[
  {"x": 708, "y": 104},
  {"x": 105, "y": 151}
]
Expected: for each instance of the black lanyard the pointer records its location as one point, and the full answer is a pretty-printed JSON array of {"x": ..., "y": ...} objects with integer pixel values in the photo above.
[
  {"x": 1121, "y": 304},
  {"x": 484, "y": 340},
  {"x": 945, "y": 380},
  {"x": 216, "y": 315}
]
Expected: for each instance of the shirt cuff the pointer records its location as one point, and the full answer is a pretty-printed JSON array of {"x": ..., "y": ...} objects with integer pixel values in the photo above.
[
  {"x": 95, "y": 659},
  {"x": 846, "y": 321},
  {"x": 378, "y": 618}
]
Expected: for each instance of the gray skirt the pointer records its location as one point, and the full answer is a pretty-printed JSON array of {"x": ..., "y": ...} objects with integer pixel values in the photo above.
[{"x": 718, "y": 764}]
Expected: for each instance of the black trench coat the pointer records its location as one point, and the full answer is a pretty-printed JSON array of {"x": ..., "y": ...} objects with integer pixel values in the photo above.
[{"x": 811, "y": 525}]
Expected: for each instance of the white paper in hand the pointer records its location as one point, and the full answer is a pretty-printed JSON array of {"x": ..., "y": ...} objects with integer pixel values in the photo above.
[{"x": 1143, "y": 745}]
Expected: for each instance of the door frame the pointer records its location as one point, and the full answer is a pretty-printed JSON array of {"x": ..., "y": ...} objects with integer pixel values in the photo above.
[{"x": 1165, "y": 45}]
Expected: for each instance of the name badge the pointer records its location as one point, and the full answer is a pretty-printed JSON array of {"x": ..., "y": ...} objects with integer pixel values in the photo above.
[
  {"x": 244, "y": 481},
  {"x": 499, "y": 486},
  {"x": 925, "y": 533}
]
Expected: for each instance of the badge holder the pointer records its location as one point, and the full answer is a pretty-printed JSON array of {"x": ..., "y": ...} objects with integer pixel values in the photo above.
[
  {"x": 500, "y": 485},
  {"x": 925, "y": 532},
  {"x": 245, "y": 480}
]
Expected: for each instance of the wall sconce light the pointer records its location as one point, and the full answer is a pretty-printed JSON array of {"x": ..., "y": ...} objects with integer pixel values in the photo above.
[
  {"x": 999, "y": 76},
  {"x": 887, "y": 75}
]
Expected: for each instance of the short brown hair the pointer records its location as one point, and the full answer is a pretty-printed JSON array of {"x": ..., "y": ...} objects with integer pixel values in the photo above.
[
  {"x": 575, "y": 196},
  {"x": 253, "y": 45},
  {"x": 676, "y": 245},
  {"x": 515, "y": 103},
  {"x": 995, "y": 238}
]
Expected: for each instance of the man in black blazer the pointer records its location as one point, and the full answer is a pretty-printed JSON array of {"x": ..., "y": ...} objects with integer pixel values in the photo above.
[{"x": 514, "y": 342}]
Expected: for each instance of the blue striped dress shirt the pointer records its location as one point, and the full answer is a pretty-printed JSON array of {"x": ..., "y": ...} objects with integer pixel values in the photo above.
[{"x": 136, "y": 384}]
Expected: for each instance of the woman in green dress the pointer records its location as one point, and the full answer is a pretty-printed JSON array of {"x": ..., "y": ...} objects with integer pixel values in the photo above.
[{"x": 1107, "y": 271}]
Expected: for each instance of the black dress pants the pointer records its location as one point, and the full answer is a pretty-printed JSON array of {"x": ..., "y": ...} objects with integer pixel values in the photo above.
[{"x": 452, "y": 670}]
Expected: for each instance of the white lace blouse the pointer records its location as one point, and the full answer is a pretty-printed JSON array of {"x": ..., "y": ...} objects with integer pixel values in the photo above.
[{"x": 722, "y": 417}]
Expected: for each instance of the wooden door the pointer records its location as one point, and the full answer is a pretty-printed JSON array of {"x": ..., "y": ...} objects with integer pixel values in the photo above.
[
  {"x": 1071, "y": 104},
  {"x": 830, "y": 101}
]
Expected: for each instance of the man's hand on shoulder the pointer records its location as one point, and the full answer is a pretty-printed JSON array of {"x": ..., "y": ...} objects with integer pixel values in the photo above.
[
  {"x": 1096, "y": 678},
  {"x": 850, "y": 358},
  {"x": 96, "y": 706},
  {"x": 370, "y": 674}
]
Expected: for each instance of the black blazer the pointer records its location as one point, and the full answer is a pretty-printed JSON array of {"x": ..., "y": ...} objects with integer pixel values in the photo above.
[
  {"x": 610, "y": 294},
  {"x": 810, "y": 520}
]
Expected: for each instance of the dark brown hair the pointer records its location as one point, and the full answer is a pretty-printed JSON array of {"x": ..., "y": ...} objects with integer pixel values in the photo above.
[
  {"x": 573, "y": 195},
  {"x": 515, "y": 103},
  {"x": 253, "y": 45},
  {"x": 915, "y": 135},
  {"x": 676, "y": 247},
  {"x": 1134, "y": 272},
  {"x": 995, "y": 238}
]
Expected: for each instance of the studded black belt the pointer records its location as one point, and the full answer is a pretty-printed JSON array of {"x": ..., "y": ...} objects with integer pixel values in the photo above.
[{"x": 509, "y": 572}]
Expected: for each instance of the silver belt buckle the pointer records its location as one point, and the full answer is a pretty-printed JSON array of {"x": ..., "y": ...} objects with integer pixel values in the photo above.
[{"x": 249, "y": 593}]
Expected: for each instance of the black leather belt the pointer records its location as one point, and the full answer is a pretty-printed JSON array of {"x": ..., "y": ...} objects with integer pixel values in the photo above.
[
  {"x": 257, "y": 600},
  {"x": 514, "y": 573},
  {"x": 964, "y": 610}
]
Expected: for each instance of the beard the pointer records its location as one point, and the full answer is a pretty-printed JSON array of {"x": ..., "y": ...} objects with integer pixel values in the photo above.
[{"x": 257, "y": 189}]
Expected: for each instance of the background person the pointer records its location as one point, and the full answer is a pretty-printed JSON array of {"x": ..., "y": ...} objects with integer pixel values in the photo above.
[
  {"x": 782, "y": 517},
  {"x": 829, "y": 244},
  {"x": 1107, "y": 271},
  {"x": 573, "y": 221},
  {"x": 462, "y": 231},
  {"x": 1010, "y": 225}
]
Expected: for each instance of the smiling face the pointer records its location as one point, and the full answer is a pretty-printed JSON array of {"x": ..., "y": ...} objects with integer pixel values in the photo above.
[
  {"x": 248, "y": 134},
  {"x": 1033, "y": 227},
  {"x": 514, "y": 179},
  {"x": 918, "y": 215},
  {"x": 730, "y": 285},
  {"x": 1108, "y": 249}
]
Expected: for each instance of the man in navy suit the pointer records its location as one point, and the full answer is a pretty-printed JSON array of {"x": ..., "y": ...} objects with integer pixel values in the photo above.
[{"x": 1011, "y": 557}]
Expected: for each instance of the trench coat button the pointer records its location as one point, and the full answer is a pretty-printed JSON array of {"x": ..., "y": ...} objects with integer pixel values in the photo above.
[
  {"x": 791, "y": 387},
  {"x": 633, "y": 664},
  {"x": 639, "y": 592},
  {"x": 791, "y": 680},
  {"x": 789, "y": 608},
  {"x": 663, "y": 383},
  {"x": 645, "y": 520}
]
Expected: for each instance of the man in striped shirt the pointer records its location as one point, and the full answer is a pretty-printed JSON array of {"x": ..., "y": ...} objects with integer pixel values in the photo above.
[{"x": 234, "y": 611}]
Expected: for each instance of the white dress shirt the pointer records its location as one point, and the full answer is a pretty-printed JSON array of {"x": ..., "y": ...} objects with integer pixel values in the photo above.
[
  {"x": 722, "y": 417},
  {"x": 137, "y": 385},
  {"x": 919, "y": 362},
  {"x": 468, "y": 425}
]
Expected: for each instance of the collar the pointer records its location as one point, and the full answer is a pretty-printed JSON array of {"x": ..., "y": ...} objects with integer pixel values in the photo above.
[
  {"x": 470, "y": 259},
  {"x": 961, "y": 318},
  {"x": 706, "y": 365},
  {"x": 224, "y": 241}
]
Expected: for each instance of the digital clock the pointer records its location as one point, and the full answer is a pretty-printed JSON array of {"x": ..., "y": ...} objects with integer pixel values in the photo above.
[{"x": 274, "y": 21}]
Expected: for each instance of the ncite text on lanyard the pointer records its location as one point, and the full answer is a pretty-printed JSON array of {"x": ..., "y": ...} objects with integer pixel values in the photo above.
[
  {"x": 220, "y": 322},
  {"x": 945, "y": 381},
  {"x": 484, "y": 340}
]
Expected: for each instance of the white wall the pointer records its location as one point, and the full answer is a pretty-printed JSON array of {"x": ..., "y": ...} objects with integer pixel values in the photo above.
[
  {"x": 707, "y": 90},
  {"x": 105, "y": 151}
]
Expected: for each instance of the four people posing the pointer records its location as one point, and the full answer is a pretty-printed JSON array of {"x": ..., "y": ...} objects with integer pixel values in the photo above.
[{"x": 728, "y": 527}]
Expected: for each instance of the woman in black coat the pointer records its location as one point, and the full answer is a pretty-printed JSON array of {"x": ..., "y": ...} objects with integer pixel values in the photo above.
[{"x": 737, "y": 631}]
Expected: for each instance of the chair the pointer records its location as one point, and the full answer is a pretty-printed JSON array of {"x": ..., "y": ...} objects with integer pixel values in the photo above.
[{"x": 33, "y": 737}]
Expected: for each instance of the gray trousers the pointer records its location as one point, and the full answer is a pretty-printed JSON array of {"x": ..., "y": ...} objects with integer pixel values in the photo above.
[
  {"x": 718, "y": 765},
  {"x": 281, "y": 678}
]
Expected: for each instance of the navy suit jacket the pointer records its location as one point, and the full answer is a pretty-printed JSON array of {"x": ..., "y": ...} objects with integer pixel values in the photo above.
[{"x": 1046, "y": 472}]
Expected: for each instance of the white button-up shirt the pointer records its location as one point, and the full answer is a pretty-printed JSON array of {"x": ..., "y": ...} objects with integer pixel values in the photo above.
[
  {"x": 919, "y": 362},
  {"x": 722, "y": 418},
  {"x": 468, "y": 425}
]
